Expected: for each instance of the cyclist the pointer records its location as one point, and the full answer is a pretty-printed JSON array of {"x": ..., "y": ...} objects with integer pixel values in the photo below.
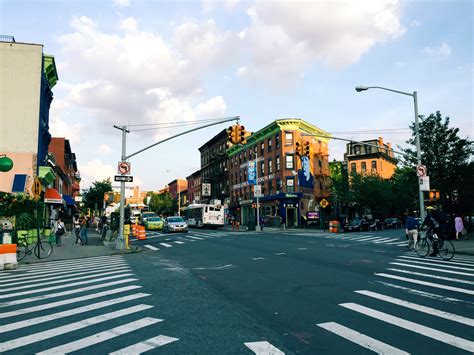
[{"x": 436, "y": 222}]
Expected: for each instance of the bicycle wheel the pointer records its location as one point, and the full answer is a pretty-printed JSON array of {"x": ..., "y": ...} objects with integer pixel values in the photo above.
[
  {"x": 446, "y": 250},
  {"x": 21, "y": 251},
  {"x": 422, "y": 247},
  {"x": 43, "y": 250}
]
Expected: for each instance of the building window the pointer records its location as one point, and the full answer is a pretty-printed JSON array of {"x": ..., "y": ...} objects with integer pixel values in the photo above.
[
  {"x": 357, "y": 149},
  {"x": 353, "y": 167},
  {"x": 262, "y": 148},
  {"x": 277, "y": 140},
  {"x": 269, "y": 144},
  {"x": 290, "y": 185},
  {"x": 270, "y": 168},
  {"x": 363, "y": 166},
  {"x": 374, "y": 165},
  {"x": 277, "y": 163},
  {"x": 288, "y": 138},
  {"x": 289, "y": 162},
  {"x": 368, "y": 149},
  {"x": 262, "y": 168}
]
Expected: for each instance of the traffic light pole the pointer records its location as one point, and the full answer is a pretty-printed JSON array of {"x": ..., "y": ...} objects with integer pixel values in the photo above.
[{"x": 258, "y": 228}]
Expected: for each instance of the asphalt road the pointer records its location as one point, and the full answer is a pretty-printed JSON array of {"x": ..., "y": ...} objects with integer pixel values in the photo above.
[{"x": 216, "y": 292}]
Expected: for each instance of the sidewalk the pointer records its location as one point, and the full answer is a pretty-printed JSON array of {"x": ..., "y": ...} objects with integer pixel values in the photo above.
[{"x": 70, "y": 250}]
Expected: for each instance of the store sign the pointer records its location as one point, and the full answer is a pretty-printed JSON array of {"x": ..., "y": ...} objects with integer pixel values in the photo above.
[{"x": 206, "y": 189}]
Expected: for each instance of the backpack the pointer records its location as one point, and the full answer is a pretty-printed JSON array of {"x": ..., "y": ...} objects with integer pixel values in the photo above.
[{"x": 60, "y": 230}]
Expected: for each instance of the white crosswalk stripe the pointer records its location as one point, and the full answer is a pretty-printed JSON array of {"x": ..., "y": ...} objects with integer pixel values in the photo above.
[
  {"x": 263, "y": 348},
  {"x": 431, "y": 304},
  {"x": 80, "y": 308}
]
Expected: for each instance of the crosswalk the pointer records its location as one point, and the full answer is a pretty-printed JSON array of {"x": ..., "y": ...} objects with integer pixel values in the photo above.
[
  {"x": 173, "y": 240},
  {"x": 365, "y": 239},
  {"x": 435, "y": 303},
  {"x": 64, "y": 306}
]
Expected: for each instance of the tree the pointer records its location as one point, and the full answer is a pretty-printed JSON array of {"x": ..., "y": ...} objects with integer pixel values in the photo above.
[
  {"x": 446, "y": 156},
  {"x": 93, "y": 197},
  {"x": 161, "y": 203},
  {"x": 372, "y": 192},
  {"x": 405, "y": 190}
]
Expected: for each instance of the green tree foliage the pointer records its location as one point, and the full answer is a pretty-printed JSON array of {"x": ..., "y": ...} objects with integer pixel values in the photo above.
[
  {"x": 161, "y": 203},
  {"x": 93, "y": 197},
  {"x": 446, "y": 156},
  {"x": 373, "y": 192},
  {"x": 404, "y": 185}
]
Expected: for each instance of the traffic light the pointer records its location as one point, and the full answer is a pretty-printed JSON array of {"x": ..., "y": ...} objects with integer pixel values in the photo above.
[
  {"x": 306, "y": 149},
  {"x": 230, "y": 136},
  {"x": 299, "y": 148},
  {"x": 242, "y": 135},
  {"x": 434, "y": 195}
]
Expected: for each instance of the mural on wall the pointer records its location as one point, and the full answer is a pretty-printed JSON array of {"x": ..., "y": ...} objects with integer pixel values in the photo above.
[{"x": 305, "y": 178}]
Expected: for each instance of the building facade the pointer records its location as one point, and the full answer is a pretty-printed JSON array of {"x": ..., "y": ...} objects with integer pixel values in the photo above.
[
  {"x": 374, "y": 158},
  {"x": 65, "y": 166},
  {"x": 214, "y": 168},
  {"x": 292, "y": 186},
  {"x": 28, "y": 75},
  {"x": 194, "y": 187}
]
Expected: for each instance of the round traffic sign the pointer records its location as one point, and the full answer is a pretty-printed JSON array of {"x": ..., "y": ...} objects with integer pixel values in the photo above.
[
  {"x": 421, "y": 170},
  {"x": 124, "y": 168}
]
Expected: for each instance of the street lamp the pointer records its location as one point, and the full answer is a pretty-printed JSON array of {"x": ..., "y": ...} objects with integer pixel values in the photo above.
[{"x": 417, "y": 134}]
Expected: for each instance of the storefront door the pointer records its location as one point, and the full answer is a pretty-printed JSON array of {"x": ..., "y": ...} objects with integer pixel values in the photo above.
[{"x": 291, "y": 220}]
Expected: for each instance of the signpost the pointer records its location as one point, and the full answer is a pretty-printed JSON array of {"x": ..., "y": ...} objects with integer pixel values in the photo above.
[
  {"x": 36, "y": 189},
  {"x": 421, "y": 170},
  {"x": 257, "y": 191},
  {"x": 323, "y": 203},
  {"x": 124, "y": 168},
  {"x": 424, "y": 183},
  {"x": 123, "y": 178}
]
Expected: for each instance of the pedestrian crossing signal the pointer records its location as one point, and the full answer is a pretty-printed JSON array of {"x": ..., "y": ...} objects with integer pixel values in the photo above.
[{"x": 434, "y": 195}]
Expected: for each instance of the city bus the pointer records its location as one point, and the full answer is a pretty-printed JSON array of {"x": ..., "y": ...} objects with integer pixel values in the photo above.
[{"x": 202, "y": 215}]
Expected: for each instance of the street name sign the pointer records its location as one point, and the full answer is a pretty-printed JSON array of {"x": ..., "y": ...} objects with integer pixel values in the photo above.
[
  {"x": 123, "y": 178},
  {"x": 424, "y": 183},
  {"x": 36, "y": 188},
  {"x": 124, "y": 168},
  {"x": 421, "y": 170},
  {"x": 324, "y": 203}
]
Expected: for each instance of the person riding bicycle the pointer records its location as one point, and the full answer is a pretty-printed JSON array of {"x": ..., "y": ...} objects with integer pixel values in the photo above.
[{"x": 436, "y": 222}]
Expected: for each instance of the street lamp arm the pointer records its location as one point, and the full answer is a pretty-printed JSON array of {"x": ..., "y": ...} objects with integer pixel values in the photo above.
[{"x": 392, "y": 90}]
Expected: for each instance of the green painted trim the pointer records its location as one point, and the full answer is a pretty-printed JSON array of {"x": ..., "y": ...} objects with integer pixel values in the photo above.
[
  {"x": 47, "y": 175},
  {"x": 50, "y": 70},
  {"x": 285, "y": 124}
]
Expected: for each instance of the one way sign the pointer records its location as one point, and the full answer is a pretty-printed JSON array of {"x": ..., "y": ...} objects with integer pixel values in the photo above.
[{"x": 126, "y": 178}]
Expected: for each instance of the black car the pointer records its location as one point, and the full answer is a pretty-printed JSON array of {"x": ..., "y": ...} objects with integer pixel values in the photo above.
[
  {"x": 375, "y": 224},
  {"x": 392, "y": 223},
  {"x": 357, "y": 225}
]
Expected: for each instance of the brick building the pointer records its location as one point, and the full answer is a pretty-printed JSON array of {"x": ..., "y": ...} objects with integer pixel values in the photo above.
[
  {"x": 194, "y": 187},
  {"x": 291, "y": 186}
]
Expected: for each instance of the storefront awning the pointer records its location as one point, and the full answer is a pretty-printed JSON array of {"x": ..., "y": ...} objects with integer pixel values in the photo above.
[
  {"x": 52, "y": 196},
  {"x": 69, "y": 200},
  {"x": 281, "y": 196},
  {"x": 47, "y": 175}
]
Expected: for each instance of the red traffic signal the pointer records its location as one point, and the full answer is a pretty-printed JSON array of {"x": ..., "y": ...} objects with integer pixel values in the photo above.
[
  {"x": 306, "y": 149},
  {"x": 299, "y": 148}
]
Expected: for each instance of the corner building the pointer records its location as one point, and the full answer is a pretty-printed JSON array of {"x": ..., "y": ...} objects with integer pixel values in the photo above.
[{"x": 291, "y": 185}]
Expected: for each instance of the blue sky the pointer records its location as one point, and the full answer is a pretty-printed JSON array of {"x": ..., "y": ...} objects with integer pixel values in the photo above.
[{"x": 131, "y": 61}]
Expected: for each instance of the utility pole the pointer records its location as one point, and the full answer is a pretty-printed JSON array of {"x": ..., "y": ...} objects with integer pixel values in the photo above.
[
  {"x": 120, "y": 244},
  {"x": 258, "y": 228}
]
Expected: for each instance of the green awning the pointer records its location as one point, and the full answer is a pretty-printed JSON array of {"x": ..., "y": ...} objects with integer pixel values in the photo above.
[
  {"x": 50, "y": 70},
  {"x": 47, "y": 174}
]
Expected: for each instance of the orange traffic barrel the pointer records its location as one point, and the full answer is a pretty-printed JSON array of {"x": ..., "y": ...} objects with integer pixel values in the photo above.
[
  {"x": 141, "y": 234},
  {"x": 134, "y": 230},
  {"x": 8, "y": 257}
]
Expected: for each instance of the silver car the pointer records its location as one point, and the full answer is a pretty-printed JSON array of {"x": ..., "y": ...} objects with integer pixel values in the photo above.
[{"x": 175, "y": 224}]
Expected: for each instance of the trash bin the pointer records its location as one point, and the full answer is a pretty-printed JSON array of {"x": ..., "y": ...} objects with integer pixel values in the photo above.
[{"x": 251, "y": 225}]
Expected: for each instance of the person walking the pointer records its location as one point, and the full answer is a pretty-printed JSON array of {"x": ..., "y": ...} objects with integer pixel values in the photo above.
[
  {"x": 412, "y": 226},
  {"x": 282, "y": 223},
  {"x": 83, "y": 232},
  {"x": 58, "y": 229},
  {"x": 459, "y": 226},
  {"x": 77, "y": 228}
]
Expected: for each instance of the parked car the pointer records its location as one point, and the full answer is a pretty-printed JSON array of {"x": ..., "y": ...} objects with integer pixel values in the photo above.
[
  {"x": 357, "y": 224},
  {"x": 392, "y": 223},
  {"x": 154, "y": 223},
  {"x": 375, "y": 224},
  {"x": 175, "y": 224}
]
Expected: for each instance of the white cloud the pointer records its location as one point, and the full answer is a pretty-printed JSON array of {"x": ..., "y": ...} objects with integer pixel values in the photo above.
[
  {"x": 129, "y": 24},
  {"x": 212, "y": 107},
  {"x": 444, "y": 50},
  {"x": 210, "y": 5},
  {"x": 415, "y": 23},
  {"x": 121, "y": 3},
  {"x": 95, "y": 170},
  {"x": 104, "y": 149},
  {"x": 285, "y": 37}
]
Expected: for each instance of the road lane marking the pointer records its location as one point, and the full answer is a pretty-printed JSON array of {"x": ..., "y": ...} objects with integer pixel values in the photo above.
[
  {"x": 68, "y": 269},
  {"x": 412, "y": 326},
  {"x": 70, "y": 264},
  {"x": 196, "y": 238},
  {"x": 101, "y": 337},
  {"x": 386, "y": 241},
  {"x": 71, "y": 327},
  {"x": 66, "y": 301},
  {"x": 263, "y": 348},
  {"x": 361, "y": 339},
  {"x": 42, "y": 283},
  {"x": 419, "y": 307},
  {"x": 425, "y": 283},
  {"x": 70, "y": 312},
  {"x": 398, "y": 243},
  {"x": 280, "y": 253},
  {"x": 220, "y": 267},
  {"x": 151, "y": 247},
  {"x": 431, "y": 264},
  {"x": 302, "y": 248},
  {"x": 179, "y": 242},
  {"x": 146, "y": 345},
  {"x": 433, "y": 269},
  {"x": 432, "y": 276},
  {"x": 439, "y": 261},
  {"x": 166, "y": 245},
  {"x": 64, "y": 293},
  {"x": 259, "y": 258},
  {"x": 71, "y": 261}
]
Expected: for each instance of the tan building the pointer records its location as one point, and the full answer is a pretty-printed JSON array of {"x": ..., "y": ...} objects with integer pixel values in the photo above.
[
  {"x": 292, "y": 186},
  {"x": 375, "y": 157}
]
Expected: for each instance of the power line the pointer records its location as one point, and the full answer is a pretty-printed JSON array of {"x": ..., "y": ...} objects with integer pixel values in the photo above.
[{"x": 175, "y": 122}]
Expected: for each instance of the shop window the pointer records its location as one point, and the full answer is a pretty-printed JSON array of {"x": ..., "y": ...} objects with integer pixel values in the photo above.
[
  {"x": 288, "y": 138},
  {"x": 289, "y": 161},
  {"x": 290, "y": 185}
]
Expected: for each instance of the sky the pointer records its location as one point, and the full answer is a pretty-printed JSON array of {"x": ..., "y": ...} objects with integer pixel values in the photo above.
[{"x": 131, "y": 62}]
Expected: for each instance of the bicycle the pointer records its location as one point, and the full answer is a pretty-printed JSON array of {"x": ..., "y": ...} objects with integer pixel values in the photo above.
[
  {"x": 430, "y": 241},
  {"x": 41, "y": 249}
]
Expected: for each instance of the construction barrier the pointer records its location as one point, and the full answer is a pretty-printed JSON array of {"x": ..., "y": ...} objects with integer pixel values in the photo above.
[
  {"x": 8, "y": 257},
  {"x": 334, "y": 226},
  {"x": 134, "y": 230},
  {"x": 141, "y": 234}
]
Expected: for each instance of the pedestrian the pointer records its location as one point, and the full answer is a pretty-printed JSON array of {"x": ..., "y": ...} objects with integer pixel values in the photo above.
[
  {"x": 282, "y": 223},
  {"x": 262, "y": 222},
  {"x": 459, "y": 226},
  {"x": 77, "y": 228},
  {"x": 59, "y": 229},
  {"x": 412, "y": 226},
  {"x": 83, "y": 232}
]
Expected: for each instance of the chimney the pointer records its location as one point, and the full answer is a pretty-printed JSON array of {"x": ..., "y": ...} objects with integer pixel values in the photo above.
[
  {"x": 380, "y": 142},
  {"x": 389, "y": 149}
]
